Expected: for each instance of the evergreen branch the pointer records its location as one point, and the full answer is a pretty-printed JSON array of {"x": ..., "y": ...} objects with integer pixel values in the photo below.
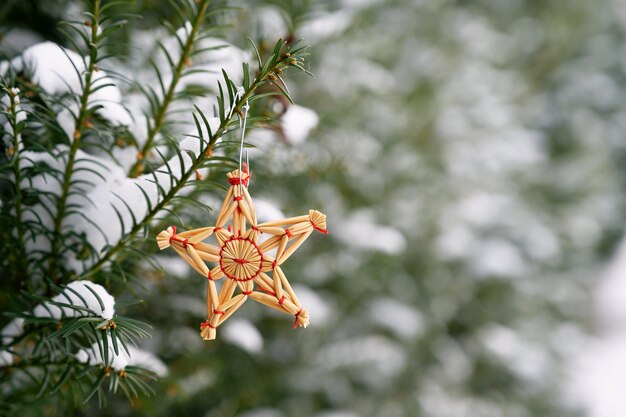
[
  {"x": 37, "y": 364},
  {"x": 78, "y": 131},
  {"x": 177, "y": 74},
  {"x": 22, "y": 264},
  {"x": 280, "y": 58}
]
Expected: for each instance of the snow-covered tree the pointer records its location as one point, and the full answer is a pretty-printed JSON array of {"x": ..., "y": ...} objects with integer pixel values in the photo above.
[
  {"x": 469, "y": 156},
  {"x": 105, "y": 137}
]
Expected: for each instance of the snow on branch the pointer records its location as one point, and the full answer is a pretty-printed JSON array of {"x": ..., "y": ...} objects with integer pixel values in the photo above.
[
  {"x": 118, "y": 362},
  {"x": 82, "y": 298},
  {"x": 14, "y": 329},
  {"x": 58, "y": 71},
  {"x": 110, "y": 203}
]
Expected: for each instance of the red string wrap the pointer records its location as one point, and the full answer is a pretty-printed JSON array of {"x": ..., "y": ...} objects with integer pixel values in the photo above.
[
  {"x": 209, "y": 276},
  {"x": 246, "y": 292},
  {"x": 243, "y": 180},
  {"x": 218, "y": 312},
  {"x": 206, "y": 324},
  {"x": 319, "y": 229},
  {"x": 281, "y": 301},
  {"x": 288, "y": 233},
  {"x": 272, "y": 293},
  {"x": 238, "y": 198},
  {"x": 176, "y": 239},
  {"x": 295, "y": 322},
  {"x": 274, "y": 264}
]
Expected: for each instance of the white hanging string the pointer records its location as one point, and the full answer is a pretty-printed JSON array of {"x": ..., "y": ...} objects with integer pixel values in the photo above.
[
  {"x": 246, "y": 107},
  {"x": 238, "y": 95},
  {"x": 242, "y": 126}
]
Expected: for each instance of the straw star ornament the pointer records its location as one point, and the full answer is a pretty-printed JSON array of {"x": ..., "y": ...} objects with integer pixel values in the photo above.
[{"x": 242, "y": 258}]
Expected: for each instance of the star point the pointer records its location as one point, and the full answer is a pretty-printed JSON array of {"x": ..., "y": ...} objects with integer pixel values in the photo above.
[{"x": 241, "y": 258}]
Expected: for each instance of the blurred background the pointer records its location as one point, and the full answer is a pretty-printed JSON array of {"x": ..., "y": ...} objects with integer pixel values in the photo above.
[{"x": 470, "y": 157}]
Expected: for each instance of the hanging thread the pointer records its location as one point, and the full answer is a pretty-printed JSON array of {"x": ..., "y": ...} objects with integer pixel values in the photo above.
[{"x": 242, "y": 126}]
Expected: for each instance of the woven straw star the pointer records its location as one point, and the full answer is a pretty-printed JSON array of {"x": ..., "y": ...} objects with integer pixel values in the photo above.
[{"x": 242, "y": 258}]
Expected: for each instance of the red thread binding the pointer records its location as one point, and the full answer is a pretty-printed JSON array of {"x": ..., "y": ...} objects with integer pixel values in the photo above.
[
  {"x": 281, "y": 301},
  {"x": 272, "y": 293},
  {"x": 176, "y": 239},
  {"x": 288, "y": 233},
  {"x": 173, "y": 234},
  {"x": 236, "y": 181},
  {"x": 206, "y": 324},
  {"x": 274, "y": 264},
  {"x": 209, "y": 276},
  {"x": 295, "y": 322},
  {"x": 218, "y": 312},
  {"x": 238, "y": 198},
  {"x": 246, "y": 292},
  {"x": 319, "y": 229},
  {"x": 244, "y": 180}
]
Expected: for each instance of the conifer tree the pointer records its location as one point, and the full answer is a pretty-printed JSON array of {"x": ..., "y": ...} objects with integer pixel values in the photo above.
[
  {"x": 104, "y": 143},
  {"x": 468, "y": 155}
]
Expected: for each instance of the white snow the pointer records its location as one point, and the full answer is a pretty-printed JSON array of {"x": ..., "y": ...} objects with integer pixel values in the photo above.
[
  {"x": 262, "y": 412},
  {"x": 297, "y": 123},
  {"x": 455, "y": 241},
  {"x": 325, "y": 25},
  {"x": 67, "y": 121},
  {"x": 611, "y": 293},
  {"x": 266, "y": 210},
  {"x": 16, "y": 40},
  {"x": 526, "y": 358},
  {"x": 58, "y": 71},
  {"x": 244, "y": 335},
  {"x": 320, "y": 310},
  {"x": 597, "y": 372},
  {"x": 403, "y": 320},
  {"x": 147, "y": 360},
  {"x": 360, "y": 230},
  {"x": 598, "y": 377},
  {"x": 271, "y": 21},
  {"x": 13, "y": 329},
  {"x": 103, "y": 196},
  {"x": 173, "y": 266},
  {"x": 20, "y": 115},
  {"x": 338, "y": 413},
  {"x": 134, "y": 357},
  {"x": 498, "y": 257},
  {"x": 379, "y": 355},
  {"x": 93, "y": 357},
  {"x": 89, "y": 300},
  {"x": 192, "y": 142},
  {"x": 225, "y": 57},
  {"x": 6, "y": 358}
]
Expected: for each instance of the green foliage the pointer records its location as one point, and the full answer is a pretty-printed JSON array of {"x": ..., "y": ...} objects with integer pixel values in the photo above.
[
  {"x": 42, "y": 251},
  {"x": 468, "y": 155}
]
